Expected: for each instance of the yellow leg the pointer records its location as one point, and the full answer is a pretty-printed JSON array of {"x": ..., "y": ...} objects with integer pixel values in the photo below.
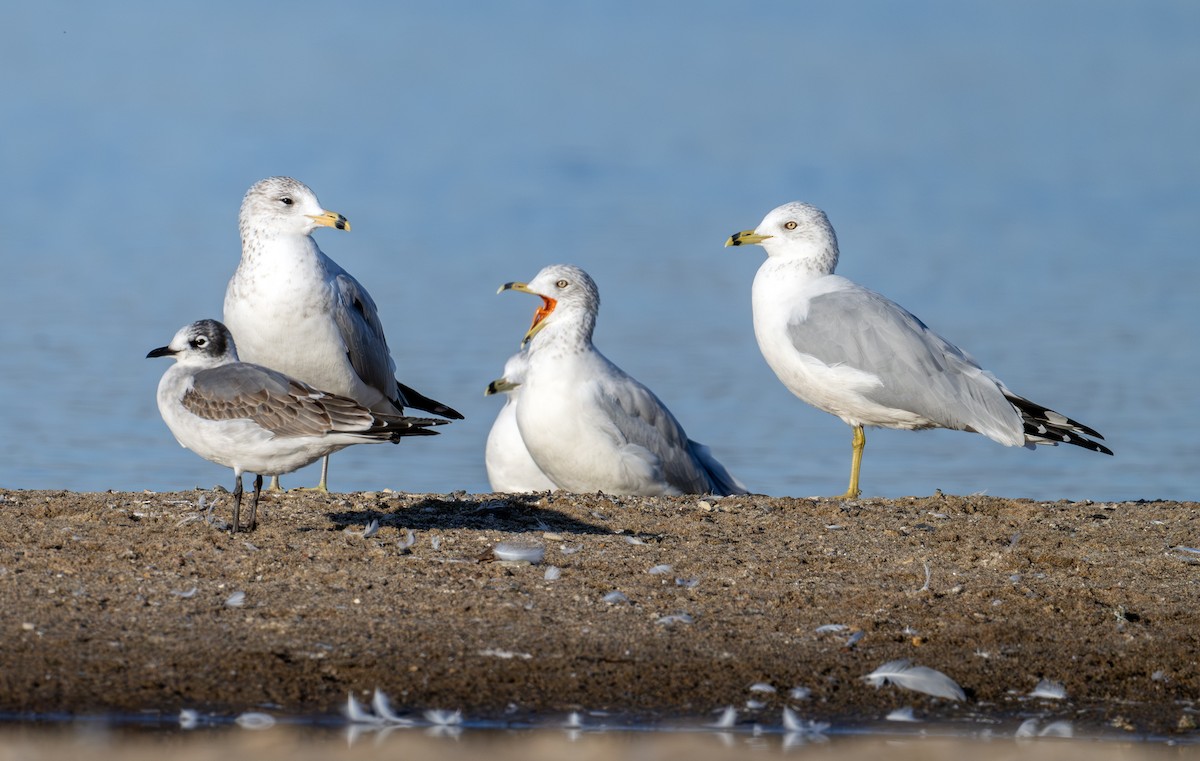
[
  {"x": 323, "y": 485},
  {"x": 859, "y": 443}
]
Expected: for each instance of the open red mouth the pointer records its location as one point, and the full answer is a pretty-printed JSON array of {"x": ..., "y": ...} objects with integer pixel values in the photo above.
[{"x": 543, "y": 311}]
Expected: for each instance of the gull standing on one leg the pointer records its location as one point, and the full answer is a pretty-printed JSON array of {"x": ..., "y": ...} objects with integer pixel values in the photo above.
[
  {"x": 588, "y": 425},
  {"x": 510, "y": 467},
  {"x": 855, "y": 354},
  {"x": 292, "y": 308},
  {"x": 254, "y": 419}
]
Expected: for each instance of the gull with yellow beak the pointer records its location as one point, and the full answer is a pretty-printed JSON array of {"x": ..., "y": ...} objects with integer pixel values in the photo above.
[
  {"x": 855, "y": 354},
  {"x": 588, "y": 425},
  {"x": 293, "y": 309}
]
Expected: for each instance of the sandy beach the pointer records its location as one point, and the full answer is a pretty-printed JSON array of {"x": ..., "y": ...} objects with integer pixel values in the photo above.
[{"x": 136, "y": 602}]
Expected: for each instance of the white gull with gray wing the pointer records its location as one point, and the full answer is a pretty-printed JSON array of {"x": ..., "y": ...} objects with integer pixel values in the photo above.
[
  {"x": 292, "y": 308},
  {"x": 851, "y": 352}
]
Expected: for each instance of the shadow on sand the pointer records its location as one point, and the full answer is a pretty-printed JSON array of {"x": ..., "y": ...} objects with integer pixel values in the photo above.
[{"x": 508, "y": 512}]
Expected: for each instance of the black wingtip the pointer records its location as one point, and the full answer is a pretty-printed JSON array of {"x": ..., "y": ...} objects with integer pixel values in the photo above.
[
  {"x": 1040, "y": 426},
  {"x": 412, "y": 398}
]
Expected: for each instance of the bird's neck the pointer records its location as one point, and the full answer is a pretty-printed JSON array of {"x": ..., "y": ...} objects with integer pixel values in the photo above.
[
  {"x": 198, "y": 362},
  {"x": 778, "y": 283},
  {"x": 813, "y": 258},
  {"x": 563, "y": 337},
  {"x": 266, "y": 249}
]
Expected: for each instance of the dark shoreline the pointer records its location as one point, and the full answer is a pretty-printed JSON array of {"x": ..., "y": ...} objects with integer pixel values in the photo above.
[{"x": 101, "y": 617}]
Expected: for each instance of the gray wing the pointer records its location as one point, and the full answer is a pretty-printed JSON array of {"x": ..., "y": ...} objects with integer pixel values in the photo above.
[
  {"x": 362, "y": 333},
  {"x": 641, "y": 418},
  {"x": 282, "y": 405},
  {"x": 920, "y": 371}
]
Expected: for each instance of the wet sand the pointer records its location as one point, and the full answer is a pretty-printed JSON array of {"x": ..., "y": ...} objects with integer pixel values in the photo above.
[{"x": 125, "y": 603}]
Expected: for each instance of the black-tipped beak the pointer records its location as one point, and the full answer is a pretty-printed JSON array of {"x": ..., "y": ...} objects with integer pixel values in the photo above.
[
  {"x": 745, "y": 238},
  {"x": 499, "y": 386},
  {"x": 331, "y": 219},
  {"x": 162, "y": 351}
]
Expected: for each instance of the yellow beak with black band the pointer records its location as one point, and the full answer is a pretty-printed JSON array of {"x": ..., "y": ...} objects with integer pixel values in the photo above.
[
  {"x": 540, "y": 315},
  {"x": 499, "y": 386},
  {"x": 331, "y": 219},
  {"x": 746, "y": 238}
]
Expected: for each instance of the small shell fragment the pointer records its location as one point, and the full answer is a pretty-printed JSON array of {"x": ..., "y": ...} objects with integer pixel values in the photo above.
[
  {"x": 902, "y": 714},
  {"x": 255, "y": 720},
  {"x": 528, "y": 553},
  {"x": 1049, "y": 690},
  {"x": 675, "y": 618}
]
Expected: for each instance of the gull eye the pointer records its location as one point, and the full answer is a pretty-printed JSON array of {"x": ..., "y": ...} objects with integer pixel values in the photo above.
[
  {"x": 286, "y": 201},
  {"x": 200, "y": 342},
  {"x": 790, "y": 225},
  {"x": 562, "y": 284}
]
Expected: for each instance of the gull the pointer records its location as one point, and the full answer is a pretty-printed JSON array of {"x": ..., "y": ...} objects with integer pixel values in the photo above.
[
  {"x": 587, "y": 424},
  {"x": 293, "y": 309},
  {"x": 510, "y": 467},
  {"x": 855, "y": 354},
  {"x": 254, "y": 419}
]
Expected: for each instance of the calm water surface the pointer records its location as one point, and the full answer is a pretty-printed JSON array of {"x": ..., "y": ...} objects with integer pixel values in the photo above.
[{"x": 1021, "y": 176}]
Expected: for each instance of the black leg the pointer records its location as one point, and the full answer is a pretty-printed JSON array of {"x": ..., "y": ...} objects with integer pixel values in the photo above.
[
  {"x": 237, "y": 503},
  {"x": 254, "y": 505}
]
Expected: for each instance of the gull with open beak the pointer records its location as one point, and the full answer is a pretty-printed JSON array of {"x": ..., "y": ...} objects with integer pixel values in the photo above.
[
  {"x": 292, "y": 308},
  {"x": 587, "y": 424},
  {"x": 855, "y": 354}
]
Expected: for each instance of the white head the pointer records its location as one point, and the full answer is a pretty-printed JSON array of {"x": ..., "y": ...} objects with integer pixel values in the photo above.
[
  {"x": 798, "y": 231},
  {"x": 570, "y": 302},
  {"x": 284, "y": 206},
  {"x": 206, "y": 343}
]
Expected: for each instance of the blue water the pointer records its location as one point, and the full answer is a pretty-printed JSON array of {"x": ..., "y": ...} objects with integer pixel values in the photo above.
[{"x": 1022, "y": 175}]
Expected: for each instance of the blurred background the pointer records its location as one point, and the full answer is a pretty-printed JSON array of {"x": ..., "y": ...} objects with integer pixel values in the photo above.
[{"x": 1023, "y": 176}]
